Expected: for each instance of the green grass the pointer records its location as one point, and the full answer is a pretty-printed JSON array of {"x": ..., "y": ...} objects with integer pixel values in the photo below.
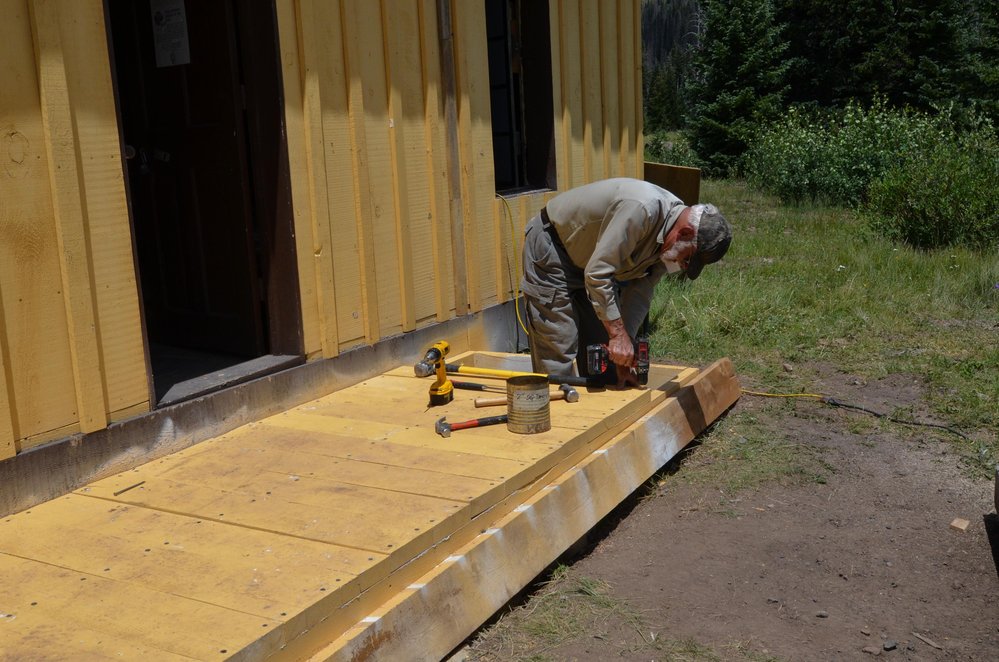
[{"x": 809, "y": 285}]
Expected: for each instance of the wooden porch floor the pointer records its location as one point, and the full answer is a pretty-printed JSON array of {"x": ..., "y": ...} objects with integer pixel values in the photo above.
[{"x": 319, "y": 532}]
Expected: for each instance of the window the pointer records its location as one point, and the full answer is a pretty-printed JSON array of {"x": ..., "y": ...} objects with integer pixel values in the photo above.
[{"x": 520, "y": 90}]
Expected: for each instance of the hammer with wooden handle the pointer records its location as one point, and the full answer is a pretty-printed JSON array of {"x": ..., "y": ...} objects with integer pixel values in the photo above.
[{"x": 564, "y": 392}]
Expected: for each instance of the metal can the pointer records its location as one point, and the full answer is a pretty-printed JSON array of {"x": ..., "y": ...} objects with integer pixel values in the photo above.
[{"x": 528, "y": 405}]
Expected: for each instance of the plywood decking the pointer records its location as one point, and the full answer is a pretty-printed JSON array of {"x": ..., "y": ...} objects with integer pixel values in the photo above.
[{"x": 341, "y": 526}]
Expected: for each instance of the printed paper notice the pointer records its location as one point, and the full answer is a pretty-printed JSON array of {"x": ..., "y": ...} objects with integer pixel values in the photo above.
[{"x": 170, "y": 33}]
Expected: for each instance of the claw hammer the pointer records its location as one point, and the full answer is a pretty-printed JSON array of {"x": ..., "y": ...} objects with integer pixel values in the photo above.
[{"x": 444, "y": 428}]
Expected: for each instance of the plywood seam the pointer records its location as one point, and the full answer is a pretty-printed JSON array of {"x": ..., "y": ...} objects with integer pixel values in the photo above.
[{"x": 215, "y": 520}]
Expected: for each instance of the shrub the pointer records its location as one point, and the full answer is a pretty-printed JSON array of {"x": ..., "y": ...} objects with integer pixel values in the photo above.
[
  {"x": 833, "y": 156},
  {"x": 928, "y": 180},
  {"x": 671, "y": 147},
  {"x": 943, "y": 194}
]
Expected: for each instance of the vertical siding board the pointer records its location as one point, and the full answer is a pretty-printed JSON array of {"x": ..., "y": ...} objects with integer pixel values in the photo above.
[
  {"x": 626, "y": 76},
  {"x": 115, "y": 291},
  {"x": 8, "y": 434},
  {"x": 636, "y": 12},
  {"x": 35, "y": 335},
  {"x": 363, "y": 203},
  {"x": 572, "y": 94},
  {"x": 70, "y": 217},
  {"x": 594, "y": 120},
  {"x": 342, "y": 242},
  {"x": 475, "y": 139},
  {"x": 558, "y": 81},
  {"x": 366, "y": 31},
  {"x": 609, "y": 92},
  {"x": 434, "y": 135},
  {"x": 412, "y": 188},
  {"x": 312, "y": 57},
  {"x": 299, "y": 173}
]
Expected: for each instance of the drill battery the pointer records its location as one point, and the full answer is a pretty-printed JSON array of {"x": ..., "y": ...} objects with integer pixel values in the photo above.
[{"x": 598, "y": 359}]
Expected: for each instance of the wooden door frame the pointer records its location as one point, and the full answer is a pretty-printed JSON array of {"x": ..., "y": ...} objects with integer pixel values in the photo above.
[{"x": 280, "y": 273}]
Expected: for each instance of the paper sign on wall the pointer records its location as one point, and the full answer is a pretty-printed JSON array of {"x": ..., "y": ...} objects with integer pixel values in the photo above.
[{"x": 170, "y": 32}]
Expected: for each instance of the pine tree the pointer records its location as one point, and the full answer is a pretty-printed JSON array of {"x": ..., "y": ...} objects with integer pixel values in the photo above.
[{"x": 741, "y": 79}]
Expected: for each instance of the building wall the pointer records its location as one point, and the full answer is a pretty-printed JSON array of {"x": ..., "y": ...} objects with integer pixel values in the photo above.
[
  {"x": 71, "y": 352},
  {"x": 381, "y": 250}
]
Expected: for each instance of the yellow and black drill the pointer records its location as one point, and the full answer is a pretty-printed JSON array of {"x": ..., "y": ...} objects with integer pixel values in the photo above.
[{"x": 442, "y": 390}]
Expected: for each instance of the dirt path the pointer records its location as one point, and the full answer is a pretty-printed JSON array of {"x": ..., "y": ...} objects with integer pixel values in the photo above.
[{"x": 812, "y": 571}]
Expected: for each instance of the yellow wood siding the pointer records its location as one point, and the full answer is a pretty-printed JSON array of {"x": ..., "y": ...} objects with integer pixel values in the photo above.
[
  {"x": 368, "y": 153},
  {"x": 70, "y": 340}
]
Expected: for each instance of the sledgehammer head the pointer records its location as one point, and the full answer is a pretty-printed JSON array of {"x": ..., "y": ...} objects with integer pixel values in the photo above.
[{"x": 443, "y": 427}]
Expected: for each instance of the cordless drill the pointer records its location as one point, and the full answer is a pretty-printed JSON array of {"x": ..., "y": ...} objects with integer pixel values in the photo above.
[
  {"x": 442, "y": 390},
  {"x": 598, "y": 360}
]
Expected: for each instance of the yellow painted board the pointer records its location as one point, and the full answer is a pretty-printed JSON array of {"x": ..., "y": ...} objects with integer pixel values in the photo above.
[
  {"x": 629, "y": 96},
  {"x": 230, "y": 464},
  {"x": 561, "y": 147},
  {"x": 71, "y": 601},
  {"x": 324, "y": 442},
  {"x": 88, "y": 73},
  {"x": 35, "y": 636},
  {"x": 36, "y": 339},
  {"x": 593, "y": 118},
  {"x": 475, "y": 136},
  {"x": 237, "y": 568},
  {"x": 436, "y": 157},
  {"x": 573, "y": 117},
  {"x": 324, "y": 44},
  {"x": 71, "y": 218},
  {"x": 299, "y": 173},
  {"x": 636, "y": 11},
  {"x": 361, "y": 164},
  {"x": 476, "y": 441},
  {"x": 413, "y": 185},
  {"x": 313, "y": 56},
  {"x": 609, "y": 87},
  {"x": 373, "y": 520},
  {"x": 366, "y": 30}
]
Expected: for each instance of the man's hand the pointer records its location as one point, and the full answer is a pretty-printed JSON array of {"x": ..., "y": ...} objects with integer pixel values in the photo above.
[
  {"x": 626, "y": 377},
  {"x": 619, "y": 347}
]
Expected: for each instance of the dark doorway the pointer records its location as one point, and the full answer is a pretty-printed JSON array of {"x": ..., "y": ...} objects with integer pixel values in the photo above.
[{"x": 201, "y": 110}]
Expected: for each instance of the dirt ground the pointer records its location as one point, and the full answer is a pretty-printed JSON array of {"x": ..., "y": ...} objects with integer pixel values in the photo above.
[{"x": 844, "y": 569}]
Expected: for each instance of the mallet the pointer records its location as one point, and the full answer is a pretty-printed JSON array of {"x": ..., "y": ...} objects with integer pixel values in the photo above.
[{"x": 564, "y": 392}]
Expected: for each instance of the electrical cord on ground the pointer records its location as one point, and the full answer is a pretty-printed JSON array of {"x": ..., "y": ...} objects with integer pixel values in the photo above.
[{"x": 833, "y": 402}]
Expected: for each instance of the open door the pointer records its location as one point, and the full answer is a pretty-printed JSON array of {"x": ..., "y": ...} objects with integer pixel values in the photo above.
[{"x": 200, "y": 104}]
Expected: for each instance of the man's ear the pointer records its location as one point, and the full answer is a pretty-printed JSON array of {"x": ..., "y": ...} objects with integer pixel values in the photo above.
[{"x": 686, "y": 233}]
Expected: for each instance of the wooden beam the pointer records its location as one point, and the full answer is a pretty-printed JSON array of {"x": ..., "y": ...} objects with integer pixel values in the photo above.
[{"x": 70, "y": 215}]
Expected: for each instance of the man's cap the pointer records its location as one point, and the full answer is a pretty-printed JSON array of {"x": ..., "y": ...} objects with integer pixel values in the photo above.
[{"x": 714, "y": 234}]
